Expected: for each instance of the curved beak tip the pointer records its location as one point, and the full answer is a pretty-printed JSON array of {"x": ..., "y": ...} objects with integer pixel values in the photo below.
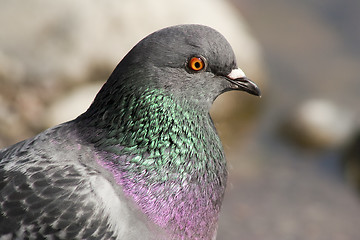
[{"x": 246, "y": 85}]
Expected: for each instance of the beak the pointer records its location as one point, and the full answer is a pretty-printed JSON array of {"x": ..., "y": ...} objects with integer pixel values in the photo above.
[{"x": 240, "y": 82}]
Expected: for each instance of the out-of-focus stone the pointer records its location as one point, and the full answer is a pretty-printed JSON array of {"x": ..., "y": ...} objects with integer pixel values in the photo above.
[{"x": 319, "y": 123}]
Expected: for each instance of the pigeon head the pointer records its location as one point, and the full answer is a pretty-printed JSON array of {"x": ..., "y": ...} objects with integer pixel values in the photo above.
[{"x": 190, "y": 62}]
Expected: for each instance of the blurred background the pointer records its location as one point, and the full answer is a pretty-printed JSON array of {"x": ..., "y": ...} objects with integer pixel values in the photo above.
[{"x": 294, "y": 154}]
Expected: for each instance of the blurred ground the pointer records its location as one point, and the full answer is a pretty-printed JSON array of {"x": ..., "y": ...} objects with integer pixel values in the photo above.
[{"x": 277, "y": 188}]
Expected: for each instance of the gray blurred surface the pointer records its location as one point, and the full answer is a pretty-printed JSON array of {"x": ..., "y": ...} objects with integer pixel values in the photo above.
[{"x": 278, "y": 189}]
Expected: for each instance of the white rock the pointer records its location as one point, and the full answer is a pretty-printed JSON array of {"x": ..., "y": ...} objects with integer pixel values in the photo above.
[{"x": 321, "y": 123}]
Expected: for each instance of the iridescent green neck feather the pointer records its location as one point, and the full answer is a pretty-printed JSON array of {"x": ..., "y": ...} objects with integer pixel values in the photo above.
[{"x": 160, "y": 130}]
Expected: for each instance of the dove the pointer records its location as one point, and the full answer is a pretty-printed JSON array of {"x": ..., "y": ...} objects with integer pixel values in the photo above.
[{"x": 143, "y": 162}]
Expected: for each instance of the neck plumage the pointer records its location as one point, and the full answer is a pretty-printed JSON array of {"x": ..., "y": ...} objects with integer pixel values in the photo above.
[{"x": 167, "y": 157}]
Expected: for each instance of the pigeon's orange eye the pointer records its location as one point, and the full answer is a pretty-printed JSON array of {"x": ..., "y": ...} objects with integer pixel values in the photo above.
[{"x": 196, "y": 63}]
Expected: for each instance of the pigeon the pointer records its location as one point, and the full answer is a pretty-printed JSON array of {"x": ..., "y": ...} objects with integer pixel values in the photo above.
[{"x": 143, "y": 162}]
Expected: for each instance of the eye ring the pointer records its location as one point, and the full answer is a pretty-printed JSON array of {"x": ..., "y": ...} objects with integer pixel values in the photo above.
[{"x": 196, "y": 63}]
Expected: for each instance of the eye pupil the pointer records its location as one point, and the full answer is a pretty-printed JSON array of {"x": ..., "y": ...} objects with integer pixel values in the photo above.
[{"x": 197, "y": 65}]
